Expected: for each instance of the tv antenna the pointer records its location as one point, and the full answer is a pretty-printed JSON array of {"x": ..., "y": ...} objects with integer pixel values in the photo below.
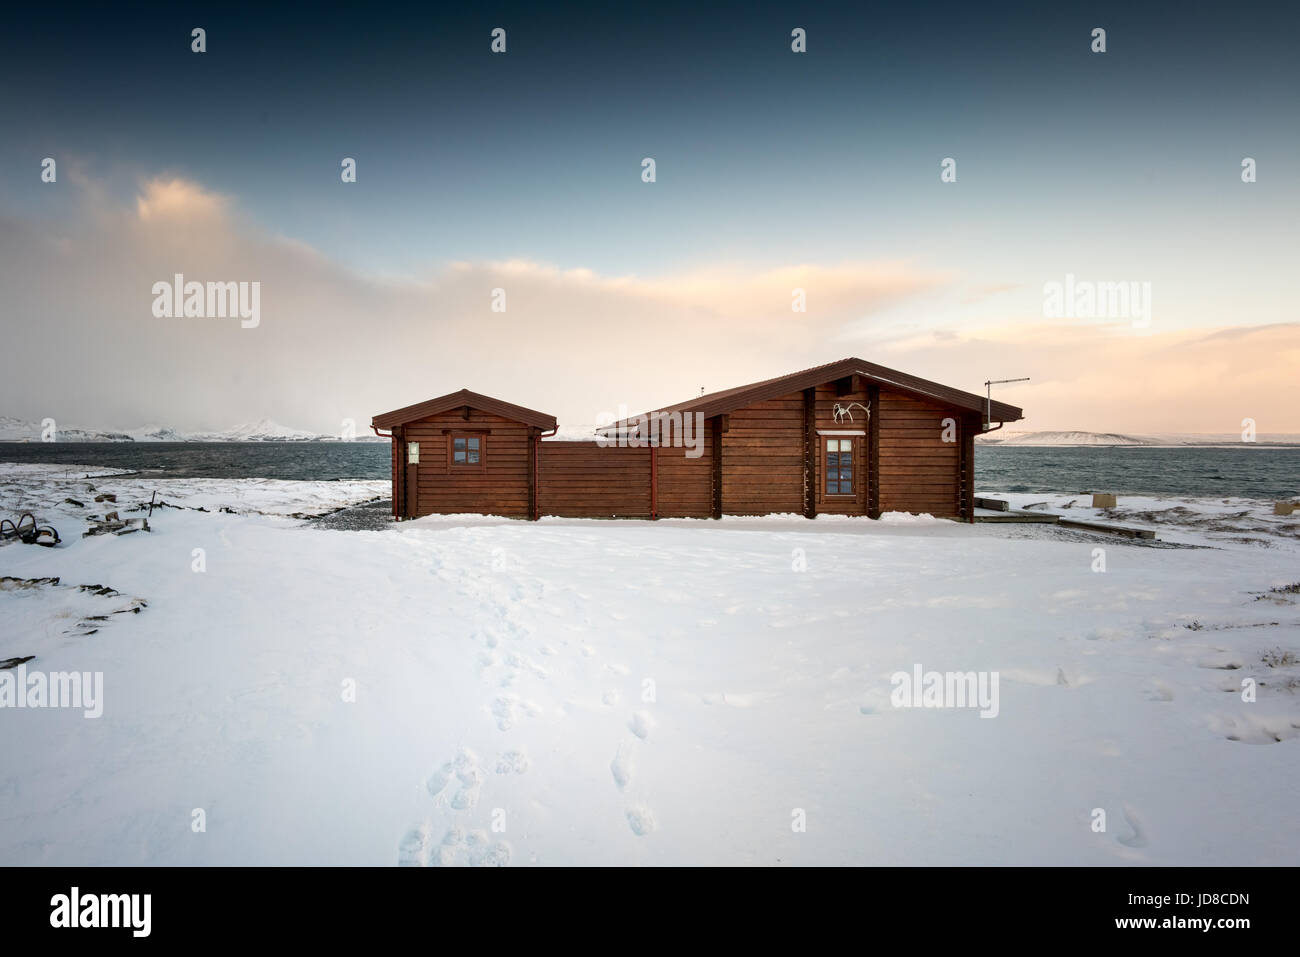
[{"x": 988, "y": 396}]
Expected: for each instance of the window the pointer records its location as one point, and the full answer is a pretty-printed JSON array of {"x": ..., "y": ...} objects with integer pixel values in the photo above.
[
  {"x": 467, "y": 450},
  {"x": 839, "y": 467},
  {"x": 412, "y": 453}
]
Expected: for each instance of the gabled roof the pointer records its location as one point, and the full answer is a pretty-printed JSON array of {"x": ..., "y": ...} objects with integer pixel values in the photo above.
[
  {"x": 456, "y": 400},
  {"x": 728, "y": 400}
]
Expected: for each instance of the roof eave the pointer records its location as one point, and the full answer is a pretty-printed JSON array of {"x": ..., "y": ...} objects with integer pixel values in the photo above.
[
  {"x": 736, "y": 399},
  {"x": 459, "y": 399}
]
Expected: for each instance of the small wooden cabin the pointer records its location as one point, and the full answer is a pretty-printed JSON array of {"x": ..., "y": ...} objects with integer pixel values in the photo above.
[{"x": 848, "y": 438}]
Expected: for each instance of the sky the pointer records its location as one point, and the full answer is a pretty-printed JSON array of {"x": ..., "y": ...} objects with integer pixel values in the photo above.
[{"x": 774, "y": 171}]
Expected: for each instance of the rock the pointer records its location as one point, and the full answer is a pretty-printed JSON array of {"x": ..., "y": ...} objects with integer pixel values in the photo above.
[
  {"x": 106, "y": 497},
  {"x": 98, "y": 589},
  {"x": 1284, "y": 508},
  {"x": 1103, "y": 500},
  {"x": 111, "y": 523},
  {"x": 73, "y": 501},
  {"x": 10, "y": 581}
]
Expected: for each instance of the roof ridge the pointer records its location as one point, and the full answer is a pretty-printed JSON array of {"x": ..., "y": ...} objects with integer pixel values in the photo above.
[
  {"x": 850, "y": 365},
  {"x": 464, "y": 397}
]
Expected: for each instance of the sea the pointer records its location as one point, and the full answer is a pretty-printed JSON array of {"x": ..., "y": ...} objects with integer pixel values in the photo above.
[{"x": 1239, "y": 471}]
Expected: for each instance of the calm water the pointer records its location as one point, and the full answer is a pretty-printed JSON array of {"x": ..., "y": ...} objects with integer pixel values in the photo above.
[
  {"x": 1246, "y": 471},
  {"x": 1253, "y": 472},
  {"x": 299, "y": 461}
]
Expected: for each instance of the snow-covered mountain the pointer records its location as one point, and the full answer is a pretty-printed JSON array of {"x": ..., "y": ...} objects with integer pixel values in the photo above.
[
  {"x": 265, "y": 430},
  {"x": 17, "y": 430},
  {"x": 1164, "y": 439},
  {"x": 155, "y": 433},
  {"x": 1063, "y": 438}
]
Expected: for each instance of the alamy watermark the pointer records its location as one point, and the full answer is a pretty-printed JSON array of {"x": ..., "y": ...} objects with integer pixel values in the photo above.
[
  {"x": 213, "y": 300},
  {"x": 683, "y": 430},
  {"x": 1085, "y": 299},
  {"x": 20, "y": 688},
  {"x": 129, "y": 911},
  {"x": 946, "y": 689}
]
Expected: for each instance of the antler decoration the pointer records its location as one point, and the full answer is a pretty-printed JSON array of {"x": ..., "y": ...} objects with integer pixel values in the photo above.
[{"x": 840, "y": 411}]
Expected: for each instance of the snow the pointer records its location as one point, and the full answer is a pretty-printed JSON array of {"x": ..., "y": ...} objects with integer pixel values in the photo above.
[
  {"x": 18, "y": 430},
  {"x": 264, "y": 430},
  {"x": 626, "y": 692},
  {"x": 573, "y": 433},
  {"x": 1176, "y": 520},
  {"x": 155, "y": 433},
  {"x": 29, "y": 487},
  {"x": 1061, "y": 438},
  {"x": 1164, "y": 439},
  {"x": 908, "y": 518}
]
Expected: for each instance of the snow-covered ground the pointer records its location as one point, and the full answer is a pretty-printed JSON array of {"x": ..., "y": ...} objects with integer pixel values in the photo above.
[
  {"x": 27, "y": 486},
  {"x": 469, "y": 690}
]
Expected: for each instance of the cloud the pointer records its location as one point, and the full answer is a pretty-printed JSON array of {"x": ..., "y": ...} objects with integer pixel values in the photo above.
[
  {"x": 177, "y": 199},
  {"x": 334, "y": 344},
  {"x": 1099, "y": 378},
  {"x": 977, "y": 292},
  {"x": 835, "y": 292}
]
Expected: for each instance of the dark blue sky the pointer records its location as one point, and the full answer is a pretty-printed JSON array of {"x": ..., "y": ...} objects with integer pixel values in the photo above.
[
  {"x": 761, "y": 154},
  {"x": 774, "y": 169}
]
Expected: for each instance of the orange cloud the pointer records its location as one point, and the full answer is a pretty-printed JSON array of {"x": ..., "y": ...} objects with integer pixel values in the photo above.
[
  {"x": 572, "y": 342},
  {"x": 177, "y": 199},
  {"x": 1104, "y": 379}
]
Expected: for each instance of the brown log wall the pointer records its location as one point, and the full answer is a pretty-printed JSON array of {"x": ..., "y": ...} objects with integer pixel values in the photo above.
[
  {"x": 762, "y": 458},
  {"x": 584, "y": 480},
  {"x": 500, "y": 487},
  {"x": 764, "y": 450},
  {"x": 919, "y": 472},
  {"x": 686, "y": 484}
]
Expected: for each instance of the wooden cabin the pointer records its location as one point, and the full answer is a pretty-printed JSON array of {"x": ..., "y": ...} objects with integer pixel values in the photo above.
[{"x": 846, "y": 438}]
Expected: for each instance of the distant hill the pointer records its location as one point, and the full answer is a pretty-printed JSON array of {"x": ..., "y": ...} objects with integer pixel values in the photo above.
[
  {"x": 1167, "y": 439},
  {"x": 18, "y": 430},
  {"x": 262, "y": 431},
  {"x": 1004, "y": 437}
]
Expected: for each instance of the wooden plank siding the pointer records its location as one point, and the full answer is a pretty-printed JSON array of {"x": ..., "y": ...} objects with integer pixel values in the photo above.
[
  {"x": 919, "y": 472},
  {"x": 762, "y": 458},
  {"x": 686, "y": 484},
  {"x": 584, "y": 480},
  {"x": 499, "y": 487}
]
